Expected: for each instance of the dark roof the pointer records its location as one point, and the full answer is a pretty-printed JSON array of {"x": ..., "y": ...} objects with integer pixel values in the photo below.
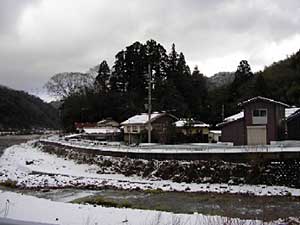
[
  {"x": 294, "y": 115},
  {"x": 259, "y": 98}
]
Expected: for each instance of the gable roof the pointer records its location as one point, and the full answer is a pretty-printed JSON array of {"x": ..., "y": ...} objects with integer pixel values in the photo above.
[
  {"x": 262, "y": 99},
  {"x": 143, "y": 118}
]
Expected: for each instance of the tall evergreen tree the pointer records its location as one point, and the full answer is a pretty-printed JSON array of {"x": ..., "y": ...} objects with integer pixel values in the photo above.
[
  {"x": 260, "y": 86},
  {"x": 102, "y": 79}
]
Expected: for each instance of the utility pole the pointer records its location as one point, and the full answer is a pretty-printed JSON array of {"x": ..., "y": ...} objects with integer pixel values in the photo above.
[
  {"x": 149, "y": 102},
  {"x": 223, "y": 112}
]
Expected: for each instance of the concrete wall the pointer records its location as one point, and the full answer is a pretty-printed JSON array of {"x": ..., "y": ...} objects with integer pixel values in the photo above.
[{"x": 230, "y": 157}]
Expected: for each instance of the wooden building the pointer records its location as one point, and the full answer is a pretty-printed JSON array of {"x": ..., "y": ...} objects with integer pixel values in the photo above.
[
  {"x": 261, "y": 121},
  {"x": 135, "y": 128},
  {"x": 293, "y": 125},
  {"x": 190, "y": 130}
]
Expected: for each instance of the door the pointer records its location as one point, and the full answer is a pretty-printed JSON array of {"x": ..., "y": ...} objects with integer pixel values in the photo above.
[{"x": 256, "y": 135}]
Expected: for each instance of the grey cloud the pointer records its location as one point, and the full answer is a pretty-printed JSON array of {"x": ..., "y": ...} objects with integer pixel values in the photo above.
[
  {"x": 75, "y": 35},
  {"x": 10, "y": 11}
]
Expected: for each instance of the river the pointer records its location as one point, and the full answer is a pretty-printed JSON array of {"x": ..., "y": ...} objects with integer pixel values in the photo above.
[{"x": 230, "y": 205}]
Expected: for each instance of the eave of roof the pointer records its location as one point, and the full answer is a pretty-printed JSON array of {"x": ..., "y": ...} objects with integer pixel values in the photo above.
[
  {"x": 154, "y": 116},
  {"x": 222, "y": 124},
  {"x": 263, "y": 99}
]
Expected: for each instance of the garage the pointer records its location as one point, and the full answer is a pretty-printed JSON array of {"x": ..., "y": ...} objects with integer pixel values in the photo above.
[{"x": 256, "y": 135}]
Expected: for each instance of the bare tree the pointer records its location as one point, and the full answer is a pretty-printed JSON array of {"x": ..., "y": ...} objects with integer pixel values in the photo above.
[{"x": 63, "y": 85}]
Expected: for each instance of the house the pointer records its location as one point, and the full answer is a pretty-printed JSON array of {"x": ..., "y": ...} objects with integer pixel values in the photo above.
[
  {"x": 190, "y": 130},
  {"x": 102, "y": 133},
  {"x": 135, "y": 128},
  {"x": 79, "y": 126},
  {"x": 214, "y": 136},
  {"x": 261, "y": 121},
  {"x": 109, "y": 122},
  {"x": 293, "y": 124},
  {"x": 104, "y": 130}
]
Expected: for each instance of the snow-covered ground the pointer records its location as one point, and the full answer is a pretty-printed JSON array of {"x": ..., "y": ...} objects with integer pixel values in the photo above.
[
  {"x": 30, "y": 167},
  {"x": 15, "y": 206}
]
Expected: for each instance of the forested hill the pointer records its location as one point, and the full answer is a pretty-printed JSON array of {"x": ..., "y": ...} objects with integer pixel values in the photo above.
[
  {"x": 283, "y": 79},
  {"x": 21, "y": 110},
  {"x": 120, "y": 90}
]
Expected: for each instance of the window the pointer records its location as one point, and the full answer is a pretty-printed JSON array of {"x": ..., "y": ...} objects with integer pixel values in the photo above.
[
  {"x": 259, "y": 116},
  {"x": 260, "y": 112},
  {"x": 134, "y": 129},
  {"x": 127, "y": 129}
]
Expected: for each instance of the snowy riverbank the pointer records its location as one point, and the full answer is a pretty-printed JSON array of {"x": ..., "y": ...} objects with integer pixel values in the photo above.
[
  {"x": 15, "y": 206},
  {"x": 29, "y": 167}
]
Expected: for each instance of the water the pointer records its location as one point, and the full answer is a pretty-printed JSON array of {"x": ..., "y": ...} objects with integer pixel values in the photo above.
[
  {"x": 6, "y": 141},
  {"x": 229, "y": 205}
]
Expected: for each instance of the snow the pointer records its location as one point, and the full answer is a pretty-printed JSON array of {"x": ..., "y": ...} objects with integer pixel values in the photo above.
[
  {"x": 232, "y": 118},
  {"x": 235, "y": 116},
  {"x": 46, "y": 211},
  {"x": 192, "y": 148},
  {"x": 192, "y": 123},
  {"x": 141, "y": 119},
  {"x": 240, "y": 115},
  {"x": 218, "y": 132},
  {"x": 290, "y": 111},
  {"x": 106, "y": 130},
  {"x": 30, "y": 168}
]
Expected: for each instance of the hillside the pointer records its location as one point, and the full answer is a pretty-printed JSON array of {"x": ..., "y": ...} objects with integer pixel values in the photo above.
[
  {"x": 220, "y": 79},
  {"x": 21, "y": 110},
  {"x": 283, "y": 79}
]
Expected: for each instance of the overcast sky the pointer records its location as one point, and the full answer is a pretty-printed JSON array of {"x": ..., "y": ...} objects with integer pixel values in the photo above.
[{"x": 39, "y": 38}]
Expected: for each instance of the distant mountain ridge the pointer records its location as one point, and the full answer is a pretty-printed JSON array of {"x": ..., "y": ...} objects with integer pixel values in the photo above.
[
  {"x": 20, "y": 110},
  {"x": 220, "y": 79}
]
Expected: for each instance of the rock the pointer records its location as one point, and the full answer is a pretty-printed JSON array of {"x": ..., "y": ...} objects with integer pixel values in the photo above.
[{"x": 29, "y": 162}]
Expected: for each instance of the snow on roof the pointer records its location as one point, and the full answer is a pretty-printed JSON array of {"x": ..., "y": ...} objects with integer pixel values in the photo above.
[
  {"x": 142, "y": 118},
  {"x": 264, "y": 99},
  {"x": 107, "y": 130},
  {"x": 235, "y": 117},
  {"x": 290, "y": 111},
  {"x": 190, "y": 122},
  {"x": 232, "y": 118},
  {"x": 215, "y": 132},
  {"x": 105, "y": 122}
]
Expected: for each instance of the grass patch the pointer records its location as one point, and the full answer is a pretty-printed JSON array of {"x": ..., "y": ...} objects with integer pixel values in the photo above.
[
  {"x": 9, "y": 183},
  {"x": 154, "y": 191},
  {"x": 99, "y": 200}
]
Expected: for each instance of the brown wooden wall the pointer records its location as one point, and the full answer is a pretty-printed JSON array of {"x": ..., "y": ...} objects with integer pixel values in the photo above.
[
  {"x": 293, "y": 127},
  {"x": 234, "y": 132}
]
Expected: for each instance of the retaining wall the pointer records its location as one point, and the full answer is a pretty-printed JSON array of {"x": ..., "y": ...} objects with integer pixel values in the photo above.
[{"x": 197, "y": 155}]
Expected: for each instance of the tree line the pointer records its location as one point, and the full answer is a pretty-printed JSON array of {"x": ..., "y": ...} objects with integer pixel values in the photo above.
[{"x": 120, "y": 91}]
